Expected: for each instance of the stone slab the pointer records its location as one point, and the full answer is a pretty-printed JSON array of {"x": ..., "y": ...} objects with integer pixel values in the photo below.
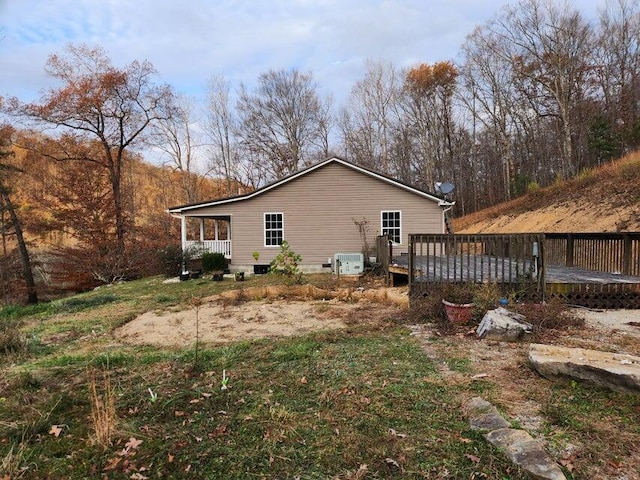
[{"x": 615, "y": 371}]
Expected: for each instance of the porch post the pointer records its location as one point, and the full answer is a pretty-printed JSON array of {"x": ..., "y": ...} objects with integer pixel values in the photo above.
[
  {"x": 216, "y": 228},
  {"x": 183, "y": 232},
  {"x": 201, "y": 229}
]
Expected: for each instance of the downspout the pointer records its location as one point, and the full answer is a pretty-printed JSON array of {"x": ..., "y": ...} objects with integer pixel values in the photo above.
[{"x": 447, "y": 224}]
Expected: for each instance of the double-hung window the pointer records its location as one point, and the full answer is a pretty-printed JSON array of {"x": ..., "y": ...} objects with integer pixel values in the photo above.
[
  {"x": 273, "y": 229},
  {"x": 391, "y": 225}
]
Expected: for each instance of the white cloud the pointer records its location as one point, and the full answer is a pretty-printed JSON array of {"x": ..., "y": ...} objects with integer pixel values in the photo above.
[{"x": 189, "y": 41}]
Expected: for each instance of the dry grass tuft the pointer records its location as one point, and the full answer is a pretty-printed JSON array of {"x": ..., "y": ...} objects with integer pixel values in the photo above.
[
  {"x": 11, "y": 465},
  {"x": 103, "y": 410}
]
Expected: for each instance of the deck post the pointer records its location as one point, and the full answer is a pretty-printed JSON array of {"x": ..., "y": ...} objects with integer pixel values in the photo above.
[
  {"x": 568, "y": 261},
  {"x": 541, "y": 263},
  {"x": 626, "y": 254},
  {"x": 411, "y": 253},
  {"x": 389, "y": 274}
]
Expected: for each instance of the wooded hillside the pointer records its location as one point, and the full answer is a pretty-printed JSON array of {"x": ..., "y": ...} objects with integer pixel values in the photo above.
[
  {"x": 603, "y": 199},
  {"x": 66, "y": 218}
]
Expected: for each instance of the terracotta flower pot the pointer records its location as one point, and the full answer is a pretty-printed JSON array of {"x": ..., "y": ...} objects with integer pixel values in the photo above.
[{"x": 458, "y": 313}]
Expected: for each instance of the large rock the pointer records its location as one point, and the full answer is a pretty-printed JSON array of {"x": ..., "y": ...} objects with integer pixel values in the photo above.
[
  {"x": 503, "y": 325},
  {"x": 523, "y": 450},
  {"x": 615, "y": 371}
]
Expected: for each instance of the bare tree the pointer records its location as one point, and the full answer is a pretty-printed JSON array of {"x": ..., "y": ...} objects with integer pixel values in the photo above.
[
  {"x": 99, "y": 102},
  {"x": 220, "y": 127},
  {"x": 175, "y": 136},
  {"x": 490, "y": 96},
  {"x": 549, "y": 47},
  {"x": 618, "y": 71},
  {"x": 368, "y": 121},
  {"x": 281, "y": 122}
]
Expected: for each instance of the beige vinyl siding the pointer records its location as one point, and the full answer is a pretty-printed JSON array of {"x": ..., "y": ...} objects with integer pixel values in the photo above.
[{"x": 319, "y": 210}]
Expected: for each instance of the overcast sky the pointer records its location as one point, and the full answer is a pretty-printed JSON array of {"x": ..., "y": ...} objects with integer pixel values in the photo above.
[{"x": 190, "y": 40}]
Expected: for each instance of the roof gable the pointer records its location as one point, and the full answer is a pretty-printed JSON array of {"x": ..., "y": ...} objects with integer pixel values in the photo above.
[{"x": 307, "y": 171}]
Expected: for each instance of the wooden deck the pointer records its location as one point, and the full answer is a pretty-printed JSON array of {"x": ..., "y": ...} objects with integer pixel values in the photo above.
[
  {"x": 594, "y": 270},
  {"x": 483, "y": 267}
]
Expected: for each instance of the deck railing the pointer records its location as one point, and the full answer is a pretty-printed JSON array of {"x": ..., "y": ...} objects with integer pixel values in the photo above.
[
  {"x": 515, "y": 259},
  {"x": 212, "y": 246},
  {"x": 601, "y": 252}
]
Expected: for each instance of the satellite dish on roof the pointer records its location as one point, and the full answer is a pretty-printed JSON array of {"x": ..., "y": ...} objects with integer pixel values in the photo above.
[{"x": 446, "y": 188}]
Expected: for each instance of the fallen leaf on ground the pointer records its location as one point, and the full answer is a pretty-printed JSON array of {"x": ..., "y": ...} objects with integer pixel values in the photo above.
[
  {"x": 133, "y": 443},
  {"x": 55, "y": 430},
  {"x": 473, "y": 458},
  {"x": 111, "y": 464}
]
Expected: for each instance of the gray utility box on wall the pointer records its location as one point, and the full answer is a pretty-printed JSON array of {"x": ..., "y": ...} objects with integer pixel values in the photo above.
[{"x": 348, "y": 263}]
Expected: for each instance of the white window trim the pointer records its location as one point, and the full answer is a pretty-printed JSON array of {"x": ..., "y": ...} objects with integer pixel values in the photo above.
[
  {"x": 264, "y": 228},
  {"x": 382, "y": 212}
]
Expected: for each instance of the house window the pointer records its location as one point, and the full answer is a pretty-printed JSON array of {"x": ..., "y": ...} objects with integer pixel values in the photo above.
[
  {"x": 273, "y": 229},
  {"x": 391, "y": 225}
]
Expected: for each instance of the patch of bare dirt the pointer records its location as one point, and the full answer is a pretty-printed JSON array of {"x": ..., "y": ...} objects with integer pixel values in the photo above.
[{"x": 225, "y": 319}]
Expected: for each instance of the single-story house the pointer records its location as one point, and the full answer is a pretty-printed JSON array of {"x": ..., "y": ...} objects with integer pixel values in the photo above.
[{"x": 317, "y": 211}]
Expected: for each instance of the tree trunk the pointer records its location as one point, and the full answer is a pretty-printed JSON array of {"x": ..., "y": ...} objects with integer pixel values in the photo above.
[
  {"x": 115, "y": 176},
  {"x": 27, "y": 272}
]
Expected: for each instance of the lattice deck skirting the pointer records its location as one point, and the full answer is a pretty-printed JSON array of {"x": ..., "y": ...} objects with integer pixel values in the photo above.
[
  {"x": 607, "y": 295},
  {"x": 597, "y": 270}
]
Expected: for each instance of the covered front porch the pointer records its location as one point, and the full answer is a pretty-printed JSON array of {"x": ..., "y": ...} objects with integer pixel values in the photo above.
[{"x": 201, "y": 234}]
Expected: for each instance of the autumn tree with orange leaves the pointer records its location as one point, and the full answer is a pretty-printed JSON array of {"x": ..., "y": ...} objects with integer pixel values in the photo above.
[
  {"x": 99, "y": 105},
  {"x": 429, "y": 111}
]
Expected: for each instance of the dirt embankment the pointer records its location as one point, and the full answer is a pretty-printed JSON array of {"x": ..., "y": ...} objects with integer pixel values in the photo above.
[{"x": 605, "y": 199}]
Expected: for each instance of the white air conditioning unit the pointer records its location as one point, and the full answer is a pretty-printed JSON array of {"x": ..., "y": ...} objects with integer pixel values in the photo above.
[{"x": 348, "y": 263}]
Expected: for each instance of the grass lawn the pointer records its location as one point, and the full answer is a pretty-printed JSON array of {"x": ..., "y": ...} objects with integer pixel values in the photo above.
[{"x": 363, "y": 402}]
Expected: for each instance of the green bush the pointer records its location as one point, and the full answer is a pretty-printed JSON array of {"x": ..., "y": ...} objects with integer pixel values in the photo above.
[
  {"x": 212, "y": 262},
  {"x": 287, "y": 261}
]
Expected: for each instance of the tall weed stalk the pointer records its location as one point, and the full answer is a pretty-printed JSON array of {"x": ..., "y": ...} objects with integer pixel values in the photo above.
[{"x": 103, "y": 410}]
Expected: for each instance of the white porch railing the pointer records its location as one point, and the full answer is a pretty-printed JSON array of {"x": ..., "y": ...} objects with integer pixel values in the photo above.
[{"x": 213, "y": 246}]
